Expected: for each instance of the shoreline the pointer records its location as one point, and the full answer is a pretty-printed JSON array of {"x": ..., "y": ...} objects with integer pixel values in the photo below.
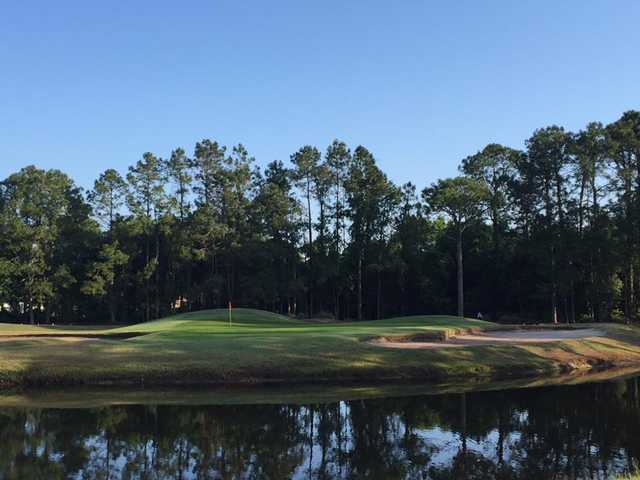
[
  {"x": 83, "y": 396},
  {"x": 483, "y": 374}
]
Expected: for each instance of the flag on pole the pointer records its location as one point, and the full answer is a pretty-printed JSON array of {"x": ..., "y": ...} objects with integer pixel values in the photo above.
[{"x": 230, "y": 313}]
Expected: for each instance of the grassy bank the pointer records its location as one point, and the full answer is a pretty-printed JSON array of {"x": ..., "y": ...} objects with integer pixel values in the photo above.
[
  {"x": 201, "y": 347},
  {"x": 301, "y": 394}
]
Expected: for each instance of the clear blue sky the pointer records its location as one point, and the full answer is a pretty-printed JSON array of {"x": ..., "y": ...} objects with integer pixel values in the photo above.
[{"x": 89, "y": 85}]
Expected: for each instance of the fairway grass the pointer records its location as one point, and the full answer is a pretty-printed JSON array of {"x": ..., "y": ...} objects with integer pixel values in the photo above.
[{"x": 202, "y": 348}]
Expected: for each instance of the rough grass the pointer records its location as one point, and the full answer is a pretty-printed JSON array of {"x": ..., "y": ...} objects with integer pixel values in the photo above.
[{"x": 201, "y": 348}]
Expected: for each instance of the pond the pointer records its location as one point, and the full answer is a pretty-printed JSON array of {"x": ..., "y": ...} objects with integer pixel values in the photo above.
[{"x": 584, "y": 431}]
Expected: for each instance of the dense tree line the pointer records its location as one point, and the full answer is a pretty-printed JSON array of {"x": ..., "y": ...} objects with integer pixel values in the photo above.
[{"x": 551, "y": 232}]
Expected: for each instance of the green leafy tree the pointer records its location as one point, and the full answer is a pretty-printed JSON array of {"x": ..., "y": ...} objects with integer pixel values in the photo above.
[
  {"x": 495, "y": 167},
  {"x": 104, "y": 277},
  {"x": 108, "y": 196},
  {"x": 235, "y": 203},
  {"x": 549, "y": 156},
  {"x": 368, "y": 191},
  {"x": 322, "y": 182},
  {"x": 337, "y": 158},
  {"x": 178, "y": 169},
  {"x": 590, "y": 155},
  {"x": 276, "y": 219},
  {"x": 305, "y": 162},
  {"x": 208, "y": 229},
  {"x": 147, "y": 200},
  {"x": 40, "y": 209},
  {"x": 463, "y": 201},
  {"x": 207, "y": 163},
  {"x": 333, "y": 234},
  {"x": 623, "y": 139}
]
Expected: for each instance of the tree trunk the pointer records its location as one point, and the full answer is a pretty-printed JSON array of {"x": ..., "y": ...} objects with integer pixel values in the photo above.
[
  {"x": 157, "y": 274},
  {"x": 554, "y": 307},
  {"x": 379, "y": 294},
  {"x": 628, "y": 291},
  {"x": 295, "y": 296},
  {"x": 212, "y": 299},
  {"x": 310, "y": 259},
  {"x": 112, "y": 311},
  {"x": 460, "y": 275},
  {"x": 554, "y": 293},
  {"x": 581, "y": 207},
  {"x": 147, "y": 302},
  {"x": 311, "y": 435},
  {"x": 572, "y": 304},
  {"x": 337, "y": 251},
  {"x": 463, "y": 428},
  {"x": 594, "y": 194},
  {"x": 496, "y": 265},
  {"x": 359, "y": 285},
  {"x": 628, "y": 276},
  {"x": 189, "y": 287},
  {"x": 229, "y": 273}
]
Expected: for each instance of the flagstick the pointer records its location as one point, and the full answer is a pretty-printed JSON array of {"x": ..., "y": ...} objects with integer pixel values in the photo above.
[{"x": 229, "y": 314}]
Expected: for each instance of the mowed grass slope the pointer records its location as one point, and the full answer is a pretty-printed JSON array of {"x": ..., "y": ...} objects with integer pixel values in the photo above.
[{"x": 201, "y": 347}]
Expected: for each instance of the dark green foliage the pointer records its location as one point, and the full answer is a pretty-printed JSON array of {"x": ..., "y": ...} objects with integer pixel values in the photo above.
[
  {"x": 463, "y": 201},
  {"x": 550, "y": 233}
]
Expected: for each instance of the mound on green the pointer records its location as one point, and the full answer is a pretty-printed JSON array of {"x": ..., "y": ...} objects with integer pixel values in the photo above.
[{"x": 203, "y": 348}]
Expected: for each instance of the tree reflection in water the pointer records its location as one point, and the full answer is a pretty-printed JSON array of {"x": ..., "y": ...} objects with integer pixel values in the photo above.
[{"x": 589, "y": 431}]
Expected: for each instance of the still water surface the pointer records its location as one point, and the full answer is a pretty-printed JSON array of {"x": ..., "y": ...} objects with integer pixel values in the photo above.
[{"x": 588, "y": 431}]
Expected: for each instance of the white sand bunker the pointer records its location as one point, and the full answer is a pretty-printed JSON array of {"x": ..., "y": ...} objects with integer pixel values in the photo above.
[{"x": 513, "y": 337}]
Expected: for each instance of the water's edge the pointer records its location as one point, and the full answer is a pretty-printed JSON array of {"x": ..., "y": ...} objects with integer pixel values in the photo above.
[{"x": 99, "y": 396}]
